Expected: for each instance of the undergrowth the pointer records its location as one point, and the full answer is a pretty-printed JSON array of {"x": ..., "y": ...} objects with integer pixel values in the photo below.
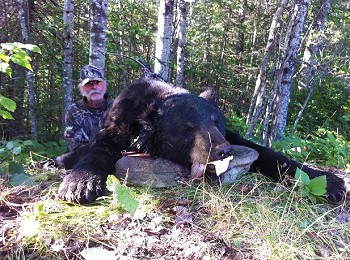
[
  {"x": 251, "y": 219},
  {"x": 323, "y": 146}
]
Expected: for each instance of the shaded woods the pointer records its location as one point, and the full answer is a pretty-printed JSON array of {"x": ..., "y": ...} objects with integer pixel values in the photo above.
[{"x": 275, "y": 64}]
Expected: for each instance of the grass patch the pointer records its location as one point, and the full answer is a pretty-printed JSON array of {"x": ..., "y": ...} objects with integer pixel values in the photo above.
[{"x": 251, "y": 219}]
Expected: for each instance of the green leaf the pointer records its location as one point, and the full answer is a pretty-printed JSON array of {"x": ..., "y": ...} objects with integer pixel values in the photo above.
[
  {"x": 7, "y": 103},
  {"x": 19, "y": 45},
  {"x": 125, "y": 198},
  {"x": 302, "y": 176},
  {"x": 21, "y": 54},
  {"x": 4, "y": 57},
  {"x": 15, "y": 168},
  {"x": 33, "y": 48},
  {"x": 318, "y": 185},
  {"x": 17, "y": 150},
  {"x": 8, "y": 46},
  {"x": 9, "y": 145},
  {"x": 123, "y": 194},
  {"x": 22, "y": 62},
  {"x": 112, "y": 182},
  {"x": 5, "y": 115},
  {"x": 5, "y": 68},
  {"x": 21, "y": 179},
  {"x": 39, "y": 209}
]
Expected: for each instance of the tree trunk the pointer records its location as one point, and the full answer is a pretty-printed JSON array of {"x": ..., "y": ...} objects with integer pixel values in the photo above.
[
  {"x": 315, "y": 41},
  {"x": 98, "y": 26},
  {"x": 122, "y": 47},
  {"x": 287, "y": 69},
  {"x": 240, "y": 35},
  {"x": 29, "y": 74},
  {"x": 163, "y": 41},
  {"x": 67, "y": 66},
  {"x": 257, "y": 103},
  {"x": 181, "y": 44},
  {"x": 309, "y": 93}
]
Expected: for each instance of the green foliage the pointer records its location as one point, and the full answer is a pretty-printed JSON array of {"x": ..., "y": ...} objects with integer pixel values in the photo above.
[
  {"x": 18, "y": 176},
  {"x": 16, "y": 170},
  {"x": 17, "y": 153},
  {"x": 16, "y": 52},
  {"x": 7, "y": 104},
  {"x": 324, "y": 146},
  {"x": 237, "y": 124},
  {"x": 329, "y": 107},
  {"x": 23, "y": 151},
  {"x": 314, "y": 189},
  {"x": 122, "y": 194}
]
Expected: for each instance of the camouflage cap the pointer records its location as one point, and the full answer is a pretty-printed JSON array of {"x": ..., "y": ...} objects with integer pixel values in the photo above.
[{"x": 89, "y": 73}]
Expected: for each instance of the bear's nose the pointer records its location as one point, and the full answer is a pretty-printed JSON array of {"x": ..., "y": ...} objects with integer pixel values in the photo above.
[{"x": 223, "y": 151}]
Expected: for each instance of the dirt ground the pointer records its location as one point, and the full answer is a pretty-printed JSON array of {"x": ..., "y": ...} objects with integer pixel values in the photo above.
[{"x": 170, "y": 233}]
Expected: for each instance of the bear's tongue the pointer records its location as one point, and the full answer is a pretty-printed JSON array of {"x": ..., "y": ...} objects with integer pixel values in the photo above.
[
  {"x": 197, "y": 170},
  {"x": 219, "y": 166}
]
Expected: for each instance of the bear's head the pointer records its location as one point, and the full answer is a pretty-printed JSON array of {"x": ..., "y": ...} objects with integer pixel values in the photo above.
[{"x": 186, "y": 129}]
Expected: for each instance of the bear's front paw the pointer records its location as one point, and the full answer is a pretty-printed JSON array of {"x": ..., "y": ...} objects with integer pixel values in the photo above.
[
  {"x": 82, "y": 187},
  {"x": 336, "y": 190}
]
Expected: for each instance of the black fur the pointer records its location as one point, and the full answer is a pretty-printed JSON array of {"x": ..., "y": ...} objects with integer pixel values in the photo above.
[{"x": 155, "y": 117}]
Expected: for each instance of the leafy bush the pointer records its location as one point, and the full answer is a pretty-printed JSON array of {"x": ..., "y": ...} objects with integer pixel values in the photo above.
[
  {"x": 325, "y": 146},
  {"x": 238, "y": 125},
  {"x": 17, "y": 153},
  {"x": 322, "y": 146},
  {"x": 22, "y": 151}
]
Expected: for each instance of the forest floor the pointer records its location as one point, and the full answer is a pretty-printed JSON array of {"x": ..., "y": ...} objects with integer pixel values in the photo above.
[{"x": 250, "y": 219}]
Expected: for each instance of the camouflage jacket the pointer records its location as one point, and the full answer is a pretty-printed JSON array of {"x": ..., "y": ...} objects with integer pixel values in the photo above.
[{"x": 82, "y": 122}]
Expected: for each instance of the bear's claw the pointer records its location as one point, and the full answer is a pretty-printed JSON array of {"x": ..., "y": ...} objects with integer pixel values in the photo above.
[
  {"x": 81, "y": 187},
  {"x": 336, "y": 190}
]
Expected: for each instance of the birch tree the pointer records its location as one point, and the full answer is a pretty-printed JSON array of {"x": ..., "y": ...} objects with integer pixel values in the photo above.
[
  {"x": 315, "y": 40},
  {"x": 286, "y": 71},
  {"x": 67, "y": 64},
  {"x": 163, "y": 39},
  {"x": 257, "y": 104},
  {"x": 181, "y": 43},
  {"x": 29, "y": 74},
  {"x": 98, "y": 27}
]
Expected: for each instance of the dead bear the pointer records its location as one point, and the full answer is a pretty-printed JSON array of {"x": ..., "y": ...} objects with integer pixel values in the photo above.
[{"x": 157, "y": 118}]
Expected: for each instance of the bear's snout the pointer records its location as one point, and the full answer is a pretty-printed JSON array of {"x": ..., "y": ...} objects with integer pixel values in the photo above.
[{"x": 223, "y": 151}]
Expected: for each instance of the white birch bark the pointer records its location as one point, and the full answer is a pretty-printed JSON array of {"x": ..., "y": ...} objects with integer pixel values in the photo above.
[
  {"x": 287, "y": 68},
  {"x": 181, "y": 44},
  {"x": 98, "y": 27},
  {"x": 163, "y": 41},
  {"x": 29, "y": 74},
  {"x": 256, "y": 108},
  {"x": 315, "y": 40},
  {"x": 67, "y": 64}
]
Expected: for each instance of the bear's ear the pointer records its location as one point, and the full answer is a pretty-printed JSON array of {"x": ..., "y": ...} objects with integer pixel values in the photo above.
[{"x": 210, "y": 95}]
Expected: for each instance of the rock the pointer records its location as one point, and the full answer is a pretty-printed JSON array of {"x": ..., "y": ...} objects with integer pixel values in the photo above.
[
  {"x": 142, "y": 169},
  {"x": 243, "y": 157}
]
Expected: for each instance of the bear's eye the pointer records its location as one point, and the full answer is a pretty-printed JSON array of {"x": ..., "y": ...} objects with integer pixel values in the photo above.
[
  {"x": 189, "y": 127},
  {"x": 215, "y": 121}
]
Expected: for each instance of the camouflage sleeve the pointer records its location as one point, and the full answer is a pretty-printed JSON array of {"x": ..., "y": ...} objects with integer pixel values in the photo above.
[{"x": 73, "y": 133}]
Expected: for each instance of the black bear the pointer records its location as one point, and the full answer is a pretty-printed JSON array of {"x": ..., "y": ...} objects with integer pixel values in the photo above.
[{"x": 165, "y": 121}]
